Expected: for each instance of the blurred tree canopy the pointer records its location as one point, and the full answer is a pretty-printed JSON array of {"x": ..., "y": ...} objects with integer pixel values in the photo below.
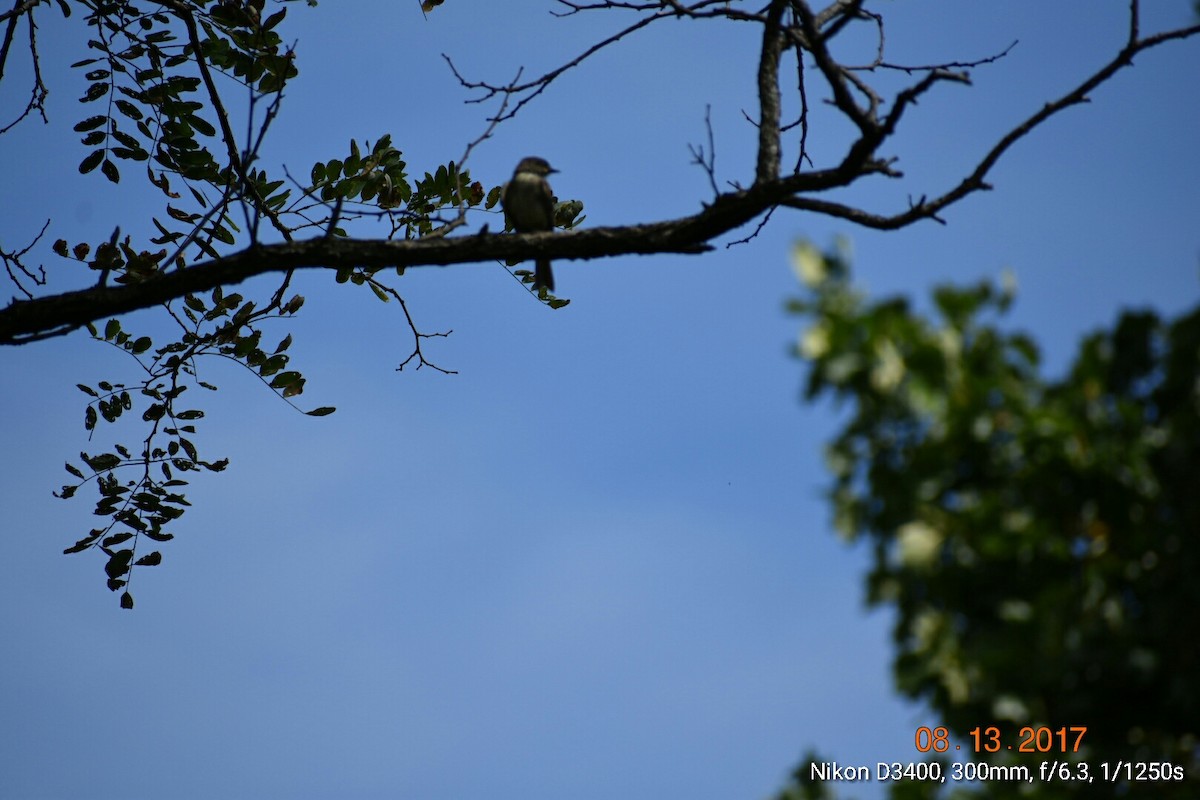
[{"x": 1038, "y": 539}]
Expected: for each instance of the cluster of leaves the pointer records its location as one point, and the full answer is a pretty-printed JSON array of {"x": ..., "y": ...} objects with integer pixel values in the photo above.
[
  {"x": 223, "y": 325},
  {"x": 153, "y": 80},
  {"x": 161, "y": 72},
  {"x": 156, "y": 73},
  {"x": 378, "y": 179},
  {"x": 1036, "y": 537}
]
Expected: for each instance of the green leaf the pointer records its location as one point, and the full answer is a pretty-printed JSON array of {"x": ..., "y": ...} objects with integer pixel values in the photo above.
[
  {"x": 221, "y": 234},
  {"x": 323, "y": 411},
  {"x": 149, "y": 560},
  {"x": 285, "y": 379},
  {"x": 274, "y": 19},
  {"x": 141, "y": 345},
  {"x": 126, "y": 600},
  {"x": 202, "y": 126}
]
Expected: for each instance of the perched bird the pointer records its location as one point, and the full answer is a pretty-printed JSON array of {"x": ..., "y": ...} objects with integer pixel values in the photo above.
[{"x": 529, "y": 207}]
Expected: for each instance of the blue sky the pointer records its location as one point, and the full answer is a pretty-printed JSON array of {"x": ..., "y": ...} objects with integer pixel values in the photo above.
[{"x": 594, "y": 563}]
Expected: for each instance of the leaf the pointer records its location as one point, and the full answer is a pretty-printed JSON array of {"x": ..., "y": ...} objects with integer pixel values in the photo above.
[
  {"x": 149, "y": 560},
  {"x": 87, "y": 390},
  {"x": 94, "y": 92},
  {"x": 74, "y": 471},
  {"x": 118, "y": 564},
  {"x": 116, "y": 539},
  {"x": 323, "y": 411},
  {"x": 129, "y": 109},
  {"x": 102, "y": 462},
  {"x": 91, "y": 123},
  {"x": 126, "y": 599},
  {"x": 221, "y": 234},
  {"x": 154, "y": 412},
  {"x": 380, "y": 293},
  {"x": 83, "y": 544},
  {"x": 274, "y": 19},
  {"x": 110, "y": 171},
  {"x": 91, "y": 162},
  {"x": 285, "y": 379},
  {"x": 141, "y": 345}
]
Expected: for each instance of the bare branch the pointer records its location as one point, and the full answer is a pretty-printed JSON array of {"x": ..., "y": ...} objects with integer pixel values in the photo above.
[
  {"x": 707, "y": 161},
  {"x": 12, "y": 260},
  {"x": 39, "y": 93}
]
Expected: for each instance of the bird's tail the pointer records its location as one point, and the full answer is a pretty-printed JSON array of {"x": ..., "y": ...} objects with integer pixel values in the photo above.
[{"x": 542, "y": 276}]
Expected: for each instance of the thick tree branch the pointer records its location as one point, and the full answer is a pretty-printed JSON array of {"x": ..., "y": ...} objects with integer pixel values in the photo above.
[
  {"x": 30, "y": 320},
  {"x": 768, "y": 95}
]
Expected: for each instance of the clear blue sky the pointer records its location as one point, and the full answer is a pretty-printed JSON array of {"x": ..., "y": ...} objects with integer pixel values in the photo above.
[{"x": 596, "y": 562}]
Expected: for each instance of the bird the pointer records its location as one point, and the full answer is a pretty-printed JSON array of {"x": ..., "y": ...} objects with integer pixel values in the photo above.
[{"x": 529, "y": 207}]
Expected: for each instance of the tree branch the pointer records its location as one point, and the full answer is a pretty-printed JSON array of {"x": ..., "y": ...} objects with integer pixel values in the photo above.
[{"x": 767, "y": 168}]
